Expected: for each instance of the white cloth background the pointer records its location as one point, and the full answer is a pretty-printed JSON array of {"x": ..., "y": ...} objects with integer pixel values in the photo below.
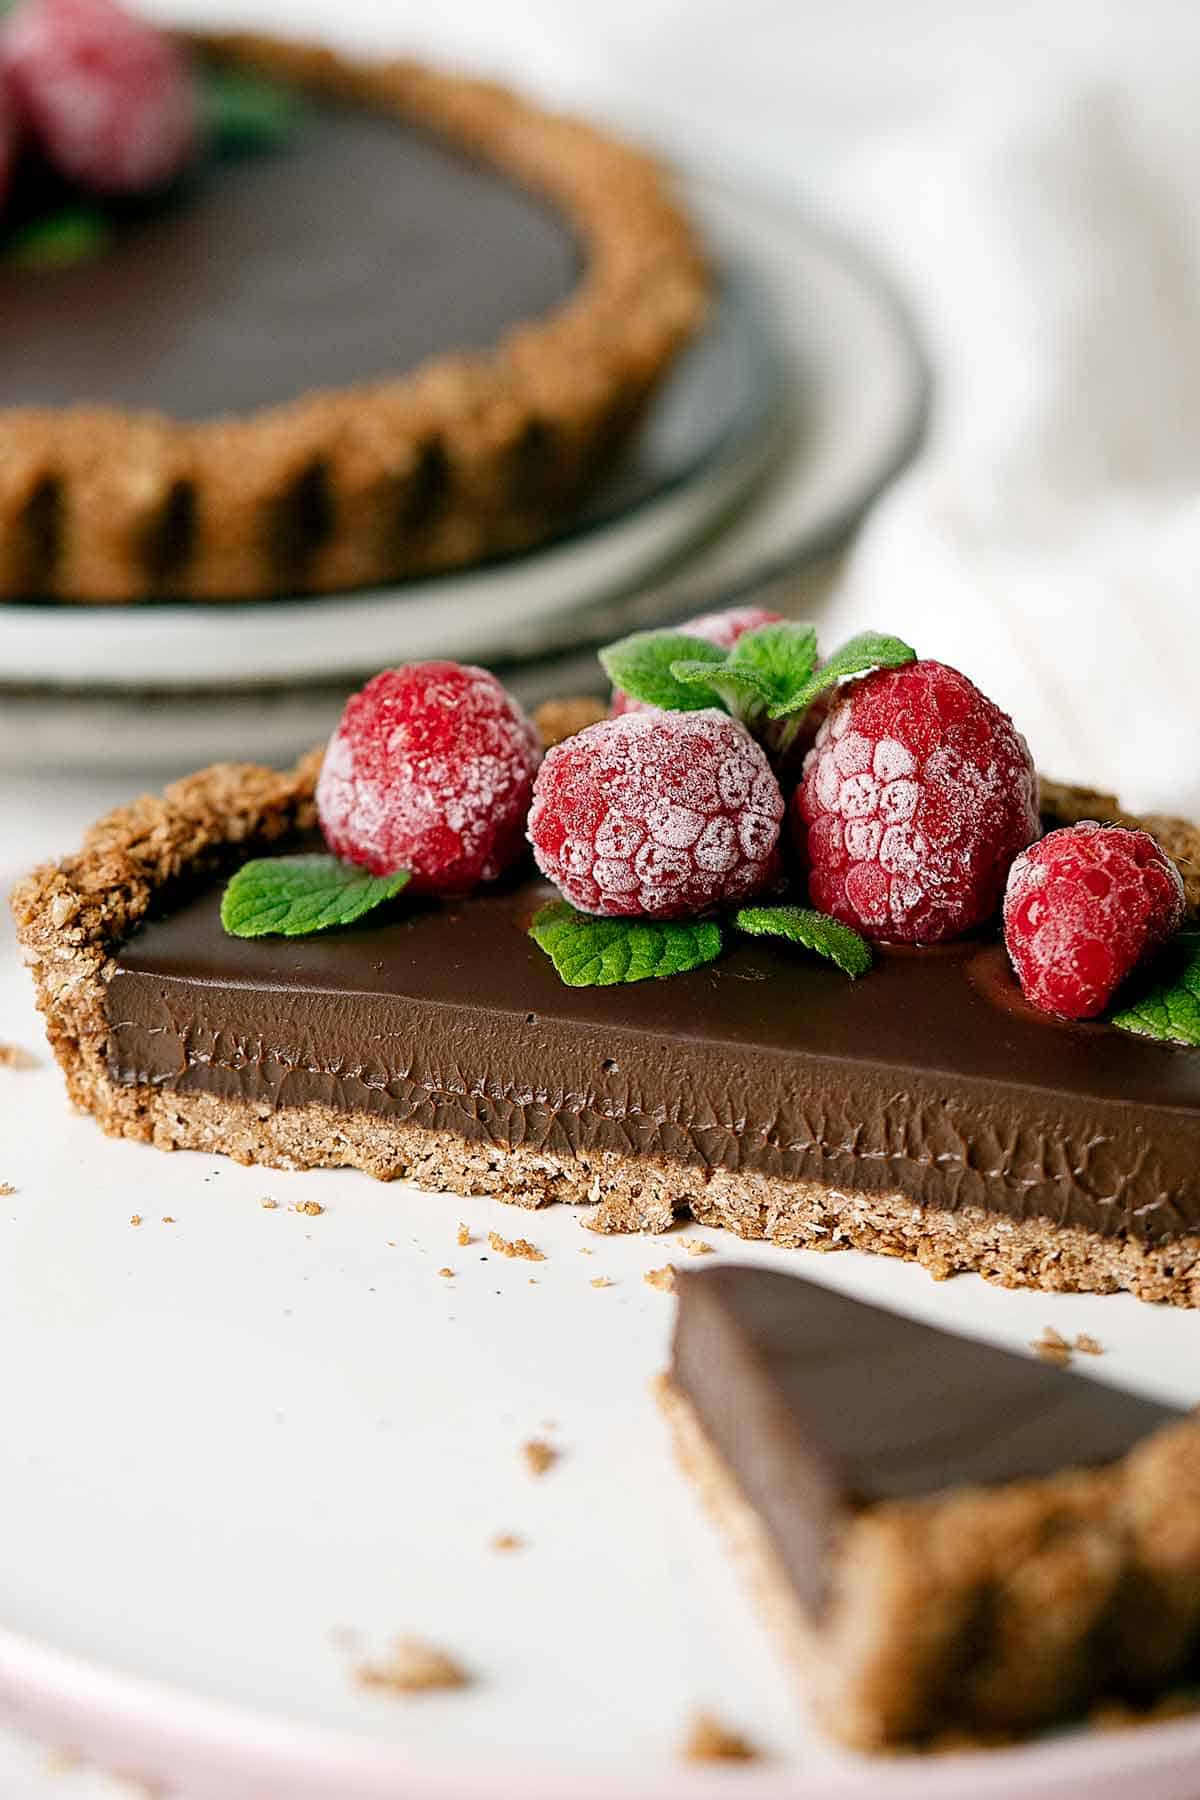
[{"x": 1029, "y": 171}]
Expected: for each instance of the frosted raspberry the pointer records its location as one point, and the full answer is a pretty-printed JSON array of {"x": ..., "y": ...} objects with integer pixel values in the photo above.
[
  {"x": 431, "y": 769},
  {"x": 917, "y": 794},
  {"x": 108, "y": 97},
  {"x": 1083, "y": 907},
  {"x": 721, "y": 628},
  {"x": 656, "y": 813}
]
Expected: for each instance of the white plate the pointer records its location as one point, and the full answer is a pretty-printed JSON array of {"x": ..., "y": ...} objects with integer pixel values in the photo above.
[
  {"x": 229, "y": 1438},
  {"x": 851, "y": 392}
]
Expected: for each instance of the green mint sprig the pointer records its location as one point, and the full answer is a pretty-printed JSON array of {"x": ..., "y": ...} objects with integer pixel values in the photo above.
[
  {"x": 1168, "y": 1006},
  {"x": 760, "y": 674},
  {"x": 244, "y": 113},
  {"x": 813, "y": 931},
  {"x": 595, "y": 952},
  {"x": 768, "y": 677},
  {"x": 641, "y": 666},
  {"x": 73, "y": 234},
  {"x": 294, "y": 896},
  {"x": 592, "y": 952}
]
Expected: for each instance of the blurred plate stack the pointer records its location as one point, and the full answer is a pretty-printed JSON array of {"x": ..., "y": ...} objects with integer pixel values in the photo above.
[{"x": 778, "y": 428}]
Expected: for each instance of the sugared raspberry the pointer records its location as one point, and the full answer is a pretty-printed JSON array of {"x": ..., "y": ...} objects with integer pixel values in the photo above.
[
  {"x": 431, "y": 770},
  {"x": 108, "y": 97},
  {"x": 917, "y": 794},
  {"x": 656, "y": 813},
  {"x": 722, "y": 628},
  {"x": 1083, "y": 907}
]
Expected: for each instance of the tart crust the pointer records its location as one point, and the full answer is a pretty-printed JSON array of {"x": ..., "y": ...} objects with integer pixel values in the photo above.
[
  {"x": 467, "y": 456},
  {"x": 1048, "y": 1562},
  {"x": 71, "y": 916}
]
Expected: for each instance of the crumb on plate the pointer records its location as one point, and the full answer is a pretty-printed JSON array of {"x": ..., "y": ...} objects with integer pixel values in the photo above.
[
  {"x": 519, "y": 1247},
  {"x": 663, "y": 1279},
  {"x": 710, "y": 1741},
  {"x": 539, "y": 1456},
  {"x": 412, "y": 1667},
  {"x": 1052, "y": 1347}
]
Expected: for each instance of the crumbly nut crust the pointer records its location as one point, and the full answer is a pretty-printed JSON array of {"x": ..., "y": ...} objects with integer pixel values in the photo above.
[
  {"x": 976, "y": 1612},
  {"x": 558, "y": 720},
  {"x": 467, "y": 456},
  {"x": 72, "y": 915}
]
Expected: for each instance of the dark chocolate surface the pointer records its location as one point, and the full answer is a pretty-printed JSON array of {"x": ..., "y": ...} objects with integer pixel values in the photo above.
[
  {"x": 351, "y": 254},
  {"x": 819, "y": 1404},
  {"x": 929, "y": 1076}
]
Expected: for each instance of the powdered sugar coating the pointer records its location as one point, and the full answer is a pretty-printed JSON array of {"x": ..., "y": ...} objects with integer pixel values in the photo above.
[
  {"x": 109, "y": 97},
  {"x": 657, "y": 814},
  {"x": 431, "y": 770},
  {"x": 1083, "y": 908},
  {"x": 720, "y": 628},
  {"x": 916, "y": 795}
]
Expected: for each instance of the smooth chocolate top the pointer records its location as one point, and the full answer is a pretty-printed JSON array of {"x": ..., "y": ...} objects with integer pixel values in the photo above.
[
  {"x": 929, "y": 1076},
  {"x": 355, "y": 251},
  {"x": 819, "y": 1405}
]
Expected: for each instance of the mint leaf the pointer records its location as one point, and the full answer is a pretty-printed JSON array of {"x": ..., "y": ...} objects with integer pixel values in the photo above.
[
  {"x": 782, "y": 656},
  {"x": 641, "y": 667},
  {"x": 1168, "y": 1007},
  {"x": 591, "y": 952},
  {"x": 292, "y": 896},
  {"x": 247, "y": 112},
  {"x": 869, "y": 650},
  {"x": 73, "y": 235},
  {"x": 759, "y": 673},
  {"x": 813, "y": 931}
]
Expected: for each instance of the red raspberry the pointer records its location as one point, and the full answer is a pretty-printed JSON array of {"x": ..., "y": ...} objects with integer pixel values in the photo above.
[
  {"x": 109, "y": 98},
  {"x": 656, "y": 814},
  {"x": 431, "y": 769},
  {"x": 723, "y": 628},
  {"x": 1083, "y": 907},
  {"x": 917, "y": 794}
]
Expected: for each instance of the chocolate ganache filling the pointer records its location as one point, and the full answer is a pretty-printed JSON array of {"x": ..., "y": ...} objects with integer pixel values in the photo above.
[
  {"x": 351, "y": 254},
  {"x": 930, "y": 1077}
]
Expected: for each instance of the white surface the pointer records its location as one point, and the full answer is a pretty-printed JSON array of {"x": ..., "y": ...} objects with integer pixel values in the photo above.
[
  {"x": 232, "y": 1437},
  {"x": 851, "y": 391}
]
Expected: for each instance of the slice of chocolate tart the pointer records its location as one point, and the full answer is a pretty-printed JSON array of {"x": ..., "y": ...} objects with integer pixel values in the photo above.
[
  {"x": 925, "y": 1111},
  {"x": 952, "y": 1540}
]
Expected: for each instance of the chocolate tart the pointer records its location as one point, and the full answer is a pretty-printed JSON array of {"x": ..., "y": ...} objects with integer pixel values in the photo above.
[
  {"x": 923, "y": 1112},
  {"x": 949, "y": 1538},
  {"x": 412, "y": 340}
]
